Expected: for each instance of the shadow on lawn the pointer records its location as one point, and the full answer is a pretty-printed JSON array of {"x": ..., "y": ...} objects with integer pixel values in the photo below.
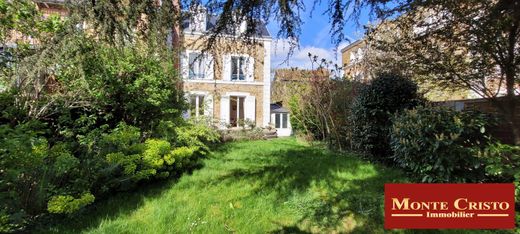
[{"x": 352, "y": 199}]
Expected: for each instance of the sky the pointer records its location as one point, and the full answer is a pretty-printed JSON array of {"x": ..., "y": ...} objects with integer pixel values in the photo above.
[{"x": 315, "y": 38}]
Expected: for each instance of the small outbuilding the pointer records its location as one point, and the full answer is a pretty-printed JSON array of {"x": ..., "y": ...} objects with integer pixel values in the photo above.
[{"x": 280, "y": 119}]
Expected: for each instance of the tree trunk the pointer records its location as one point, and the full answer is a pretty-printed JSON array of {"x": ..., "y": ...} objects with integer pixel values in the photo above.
[
  {"x": 176, "y": 34},
  {"x": 511, "y": 104},
  {"x": 511, "y": 117}
]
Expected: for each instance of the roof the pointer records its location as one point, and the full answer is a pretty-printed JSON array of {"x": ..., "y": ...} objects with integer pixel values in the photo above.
[
  {"x": 355, "y": 43},
  {"x": 211, "y": 21},
  {"x": 278, "y": 108}
]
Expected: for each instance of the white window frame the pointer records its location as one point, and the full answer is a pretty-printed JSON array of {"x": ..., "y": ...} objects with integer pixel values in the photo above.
[
  {"x": 283, "y": 116},
  {"x": 198, "y": 103},
  {"x": 199, "y": 62},
  {"x": 205, "y": 61},
  {"x": 242, "y": 61}
]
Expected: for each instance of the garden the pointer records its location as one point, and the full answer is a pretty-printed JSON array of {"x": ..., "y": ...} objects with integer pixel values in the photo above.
[{"x": 93, "y": 139}]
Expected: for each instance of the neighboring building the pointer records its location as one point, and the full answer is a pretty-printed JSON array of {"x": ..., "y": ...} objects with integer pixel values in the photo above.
[
  {"x": 352, "y": 61},
  {"x": 356, "y": 58},
  {"x": 52, "y": 7},
  {"x": 289, "y": 81},
  {"x": 47, "y": 8},
  {"x": 229, "y": 84}
]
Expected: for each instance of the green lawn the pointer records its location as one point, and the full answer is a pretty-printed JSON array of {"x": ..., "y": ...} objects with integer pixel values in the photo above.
[{"x": 251, "y": 187}]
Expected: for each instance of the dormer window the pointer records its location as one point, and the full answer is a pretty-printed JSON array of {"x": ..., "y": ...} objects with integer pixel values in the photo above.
[{"x": 198, "y": 19}]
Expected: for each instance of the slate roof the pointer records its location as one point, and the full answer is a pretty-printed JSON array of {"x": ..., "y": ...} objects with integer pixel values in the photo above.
[
  {"x": 211, "y": 21},
  {"x": 278, "y": 108}
]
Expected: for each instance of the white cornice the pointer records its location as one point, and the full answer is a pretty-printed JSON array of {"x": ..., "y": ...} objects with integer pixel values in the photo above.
[{"x": 223, "y": 82}]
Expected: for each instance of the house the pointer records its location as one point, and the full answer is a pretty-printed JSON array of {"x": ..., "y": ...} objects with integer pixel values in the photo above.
[
  {"x": 228, "y": 84},
  {"x": 352, "y": 61},
  {"x": 359, "y": 56}
]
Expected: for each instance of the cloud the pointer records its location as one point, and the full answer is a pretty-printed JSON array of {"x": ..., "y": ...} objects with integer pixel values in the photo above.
[{"x": 280, "y": 50}]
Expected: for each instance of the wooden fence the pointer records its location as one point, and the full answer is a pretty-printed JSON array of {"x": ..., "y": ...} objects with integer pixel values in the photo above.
[{"x": 503, "y": 131}]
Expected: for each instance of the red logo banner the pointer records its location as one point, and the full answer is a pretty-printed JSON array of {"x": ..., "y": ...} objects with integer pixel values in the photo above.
[{"x": 444, "y": 206}]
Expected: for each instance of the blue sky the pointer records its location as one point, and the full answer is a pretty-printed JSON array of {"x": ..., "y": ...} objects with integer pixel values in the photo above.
[{"x": 315, "y": 38}]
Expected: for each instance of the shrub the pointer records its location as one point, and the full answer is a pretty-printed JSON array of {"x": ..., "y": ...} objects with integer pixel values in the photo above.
[
  {"x": 372, "y": 111},
  {"x": 68, "y": 204},
  {"x": 196, "y": 134},
  {"x": 321, "y": 108},
  {"x": 243, "y": 134},
  {"x": 62, "y": 177},
  {"x": 440, "y": 144},
  {"x": 503, "y": 165}
]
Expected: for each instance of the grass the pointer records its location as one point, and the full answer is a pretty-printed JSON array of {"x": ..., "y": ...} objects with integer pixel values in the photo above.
[{"x": 277, "y": 186}]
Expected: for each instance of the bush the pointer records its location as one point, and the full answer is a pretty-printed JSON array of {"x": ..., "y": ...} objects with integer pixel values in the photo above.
[
  {"x": 321, "y": 108},
  {"x": 38, "y": 177},
  {"x": 440, "y": 144},
  {"x": 372, "y": 111},
  {"x": 243, "y": 134},
  {"x": 33, "y": 171},
  {"x": 68, "y": 204},
  {"x": 503, "y": 166}
]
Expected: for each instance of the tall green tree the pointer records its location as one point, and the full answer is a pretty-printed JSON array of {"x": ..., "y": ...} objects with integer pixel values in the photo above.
[{"x": 472, "y": 45}]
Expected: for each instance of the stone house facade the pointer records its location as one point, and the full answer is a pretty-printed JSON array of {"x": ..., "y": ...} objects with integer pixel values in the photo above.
[{"x": 230, "y": 83}]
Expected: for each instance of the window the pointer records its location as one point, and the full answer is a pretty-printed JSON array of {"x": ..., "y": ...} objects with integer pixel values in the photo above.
[
  {"x": 280, "y": 120},
  {"x": 197, "y": 65},
  {"x": 196, "y": 105},
  {"x": 352, "y": 57},
  {"x": 359, "y": 54},
  {"x": 238, "y": 68}
]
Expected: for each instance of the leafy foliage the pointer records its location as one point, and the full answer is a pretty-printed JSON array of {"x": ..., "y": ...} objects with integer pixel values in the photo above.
[
  {"x": 320, "y": 102},
  {"x": 503, "y": 165},
  {"x": 68, "y": 204},
  {"x": 372, "y": 111},
  {"x": 440, "y": 144},
  {"x": 67, "y": 176}
]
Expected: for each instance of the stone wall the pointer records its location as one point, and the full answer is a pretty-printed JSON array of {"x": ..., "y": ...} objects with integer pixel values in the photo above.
[
  {"x": 217, "y": 90},
  {"x": 223, "y": 47}
]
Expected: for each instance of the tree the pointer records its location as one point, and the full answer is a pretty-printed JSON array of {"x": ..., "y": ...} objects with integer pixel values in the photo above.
[{"x": 473, "y": 45}]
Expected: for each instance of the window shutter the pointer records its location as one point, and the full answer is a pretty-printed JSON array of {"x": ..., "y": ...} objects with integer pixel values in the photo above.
[
  {"x": 224, "y": 110},
  {"x": 250, "y": 69},
  {"x": 226, "y": 60},
  {"x": 184, "y": 65},
  {"x": 208, "y": 59},
  {"x": 250, "y": 108},
  {"x": 208, "y": 106}
]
